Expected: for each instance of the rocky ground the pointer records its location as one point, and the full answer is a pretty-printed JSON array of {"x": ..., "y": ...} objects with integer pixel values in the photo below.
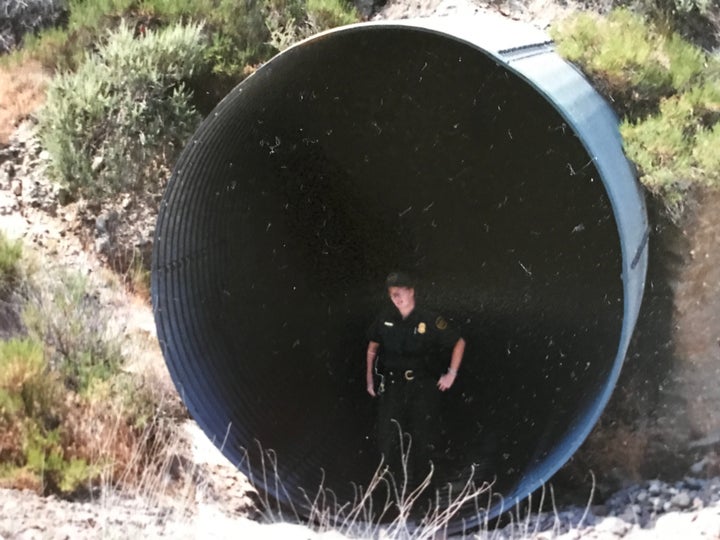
[
  {"x": 652, "y": 510},
  {"x": 217, "y": 501}
]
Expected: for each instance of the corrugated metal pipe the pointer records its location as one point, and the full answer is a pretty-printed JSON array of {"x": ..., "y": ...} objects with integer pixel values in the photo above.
[{"x": 463, "y": 150}]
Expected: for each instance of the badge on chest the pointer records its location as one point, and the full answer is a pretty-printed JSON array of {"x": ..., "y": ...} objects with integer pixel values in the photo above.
[{"x": 421, "y": 328}]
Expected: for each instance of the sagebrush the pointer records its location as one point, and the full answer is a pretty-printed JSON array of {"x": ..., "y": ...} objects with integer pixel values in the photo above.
[{"x": 119, "y": 121}]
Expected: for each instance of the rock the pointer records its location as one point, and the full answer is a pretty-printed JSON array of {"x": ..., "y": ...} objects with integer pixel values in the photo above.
[
  {"x": 105, "y": 222},
  {"x": 655, "y": 487},
  {"x": 6, "y": 154},
  {"x": 70, "y": 215},
  {"x": 8, "y": 203},
  {"x": 612, "y": 525},
  {"x": 25, "y": 134},
  {"x": 694, "y": 483},
  {"x": 16, "y": 187},
  {"x": 40, "y": 195},
  {"x": 677, "y": 525},
  {"x": 102, "y": 245},
  {"x": 7, "y": 173},
  {"x": 629, "y": 514},
  {"x": 682, "y": 500}
]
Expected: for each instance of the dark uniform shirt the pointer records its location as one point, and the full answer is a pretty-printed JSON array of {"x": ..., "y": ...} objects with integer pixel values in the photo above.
[{"x": 416, "y": 342}]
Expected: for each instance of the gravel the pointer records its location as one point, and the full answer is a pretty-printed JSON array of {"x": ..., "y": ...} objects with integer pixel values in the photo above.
[{"x": 636, "y": 513}]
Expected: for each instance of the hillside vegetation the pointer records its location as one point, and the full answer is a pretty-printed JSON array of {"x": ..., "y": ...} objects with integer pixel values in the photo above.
[
  {"x": 124, "y": 84},
  {"x": 115, "y": 86},
  {"x": 72, "y": 417},
  {"x": 666, "y": 89}
]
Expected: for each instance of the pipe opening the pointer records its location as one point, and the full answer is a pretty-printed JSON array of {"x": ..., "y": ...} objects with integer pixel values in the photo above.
[{"x": 360, "y": 152}]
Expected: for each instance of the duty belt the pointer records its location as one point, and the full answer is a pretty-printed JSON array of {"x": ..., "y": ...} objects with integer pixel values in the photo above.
[{"x": 407, "y": 374}]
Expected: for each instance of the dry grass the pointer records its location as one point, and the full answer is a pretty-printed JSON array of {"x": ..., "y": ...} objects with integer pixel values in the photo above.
[
  {"x": 389, "y": 507},
  {"x": 22, "y": 92},
  {"x": 73, "y": 417},
  {"x": 402, "y": 512}
]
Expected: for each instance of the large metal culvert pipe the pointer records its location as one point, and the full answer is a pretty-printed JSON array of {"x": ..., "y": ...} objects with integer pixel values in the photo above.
[{"x": 465, "y": 151}]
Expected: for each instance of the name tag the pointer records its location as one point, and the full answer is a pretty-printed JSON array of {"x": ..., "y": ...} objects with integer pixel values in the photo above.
[{"x": 388, "y": 323}]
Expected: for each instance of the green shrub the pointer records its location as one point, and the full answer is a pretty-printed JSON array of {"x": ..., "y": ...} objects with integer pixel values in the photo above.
[
  {"x": 678, "y": 147},
  {"x": 628, "y": 58},
  {"x": 326, "y": 14},
  {"x": 46, "y": 458},
  {"x": 75, "y": 329},
  {"x": 119, "y": 121},
  {"x": 177, "y": 10},
  {"x": 246, "y": 33},
  {"x": 290, "y": 21},
  {"x": 94, "y": 13},
  {"x": 71, "y": 414},
  {"x": 55, "y": 441},
  {"x": 666, "y": 89},
  {"x": 241, "y": 33},
  {"x": 10, "y": 257},
  {"x": 52, "y": 48},
  {"x": 32, "y": 405},
  {"x": 63, "y": 48},
  {"x": 23, "y": 389},
  {"x": 240, "y": 37}
]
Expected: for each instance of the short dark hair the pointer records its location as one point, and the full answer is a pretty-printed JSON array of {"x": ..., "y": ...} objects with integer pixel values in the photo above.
[{"x": 399, "y": 279}]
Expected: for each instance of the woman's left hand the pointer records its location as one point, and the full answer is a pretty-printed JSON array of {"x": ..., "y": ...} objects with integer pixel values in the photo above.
[{"x": 446, "y": 381}]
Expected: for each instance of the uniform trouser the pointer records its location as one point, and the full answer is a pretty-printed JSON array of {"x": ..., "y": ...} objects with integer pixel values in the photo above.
[{"x": 411, "y": 407}]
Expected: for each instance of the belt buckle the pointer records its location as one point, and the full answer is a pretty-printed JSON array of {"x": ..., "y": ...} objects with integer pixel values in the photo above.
[{"x": 409, "y": 375}]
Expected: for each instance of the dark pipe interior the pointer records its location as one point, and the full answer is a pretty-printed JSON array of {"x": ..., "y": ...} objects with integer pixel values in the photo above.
[{"x": 338, "y": 162}]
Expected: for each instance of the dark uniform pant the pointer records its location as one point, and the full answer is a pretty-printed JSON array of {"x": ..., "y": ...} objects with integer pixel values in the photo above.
[{"x": 410, "y": 407}]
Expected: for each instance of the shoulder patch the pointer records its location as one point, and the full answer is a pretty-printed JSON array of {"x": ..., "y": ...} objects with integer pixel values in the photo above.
[{"x": 441, "y": 323}]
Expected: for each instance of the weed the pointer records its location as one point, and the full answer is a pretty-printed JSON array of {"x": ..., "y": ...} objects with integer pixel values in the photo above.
[
  {"x": 63, "y": 314},
  {"x": 389, "y": 507},
  {"x": 10, "y": 269},
  {"x": 135, "y": 274}
]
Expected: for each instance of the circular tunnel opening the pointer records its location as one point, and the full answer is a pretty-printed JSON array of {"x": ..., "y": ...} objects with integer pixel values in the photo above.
[{"x": 363, "y": 151}]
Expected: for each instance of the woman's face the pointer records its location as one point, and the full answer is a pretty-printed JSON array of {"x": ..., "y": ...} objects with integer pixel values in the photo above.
[{"x": 402, "y": 297}]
